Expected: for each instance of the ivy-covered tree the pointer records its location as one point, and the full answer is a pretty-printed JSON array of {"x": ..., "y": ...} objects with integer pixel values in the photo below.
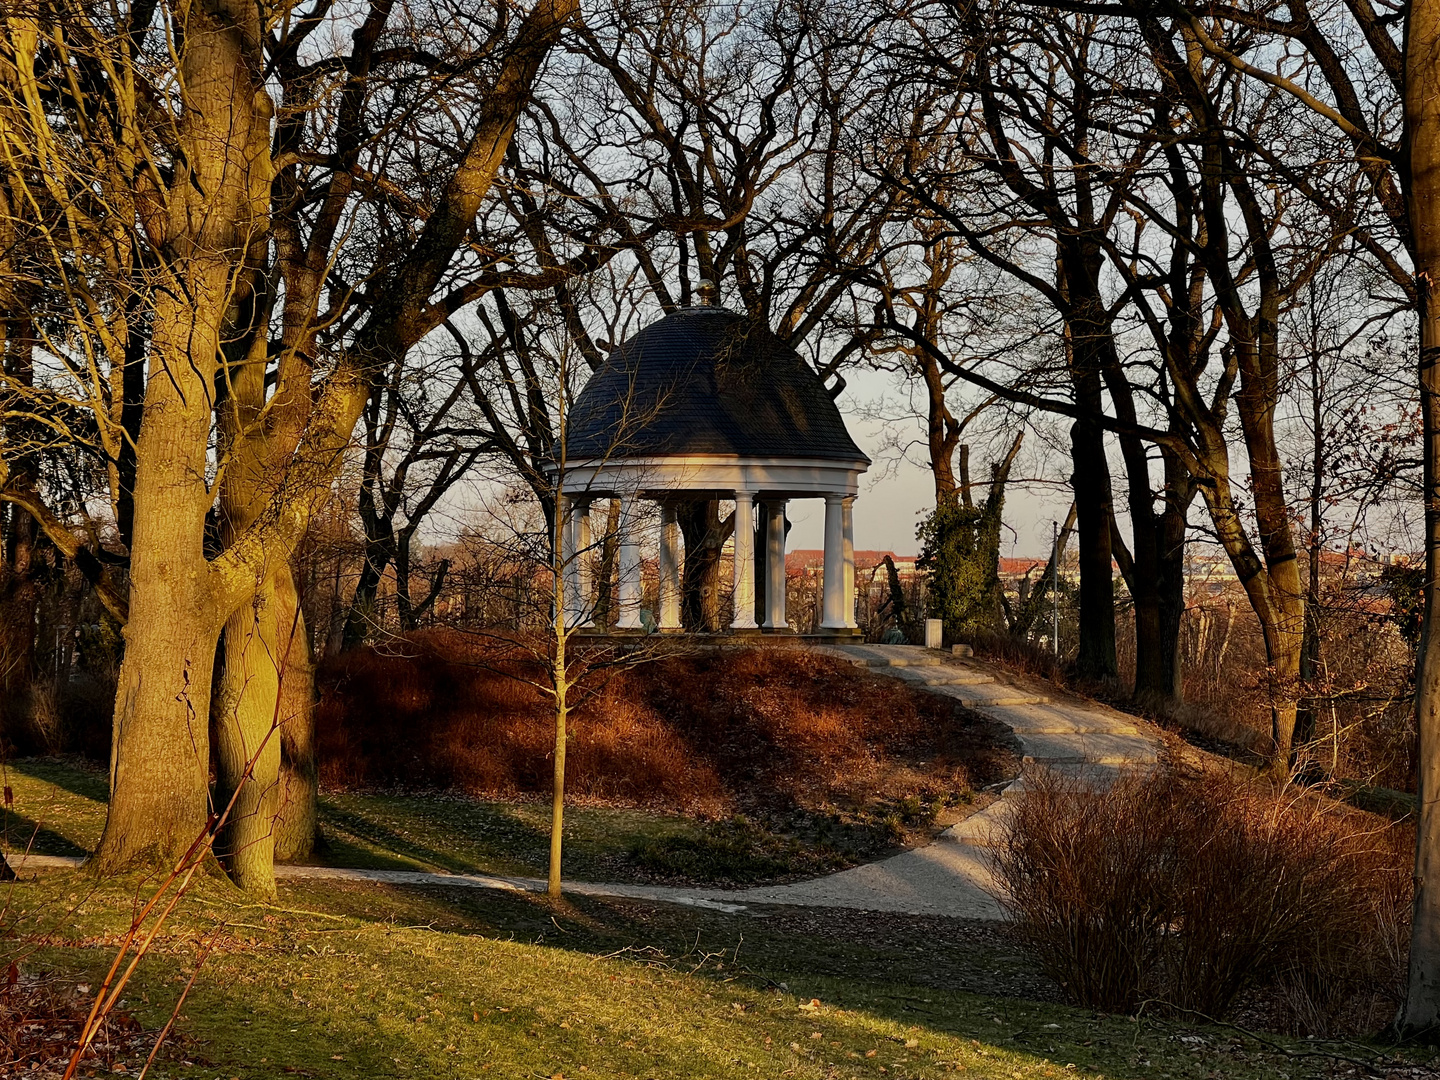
[{"x": 960, "y": 553}]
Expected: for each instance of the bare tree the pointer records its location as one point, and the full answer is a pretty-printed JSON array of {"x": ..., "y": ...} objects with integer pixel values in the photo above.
[
  {"x": 419, "y": 443},
  {"x": 168, "y": 298},
  {"x": 1365, "y": 76},
  {"x": 1063, "y": 138},
  {"x": 545, "y": 538}
]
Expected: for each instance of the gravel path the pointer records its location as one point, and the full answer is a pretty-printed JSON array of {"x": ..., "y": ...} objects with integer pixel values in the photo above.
[
  {"x": 948, "y": 877},
  {"x": 951, "y": 876}
]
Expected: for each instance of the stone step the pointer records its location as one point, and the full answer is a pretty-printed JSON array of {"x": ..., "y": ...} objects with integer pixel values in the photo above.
[
  {"x": 944, "y": 675},
  {"x": 893, "y": 656},
  {"x": 1102, "y": 749},
  {"x": 992, "y": 696},
  {"x": 1058, "y": 718},
  {"x": 928, "y": 661}
]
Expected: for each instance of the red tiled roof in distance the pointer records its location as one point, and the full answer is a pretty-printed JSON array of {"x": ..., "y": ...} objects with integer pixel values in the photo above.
[
  {"x": 806, "y": 558},
  {"x": 1020, "y": 567}
]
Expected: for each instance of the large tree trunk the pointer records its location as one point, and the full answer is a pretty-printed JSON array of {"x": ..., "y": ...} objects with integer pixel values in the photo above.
[
  {"x": 160, "y": 753},
  {"x": 605, "y": 613},
  {"x": 1091, "y": 349},
  {"x": 213, "y": 225},
  {"x": 942, "y": 431},
  {"x": 1281, "y": 629},
  {"x": 1421, "y": 1011},
  {"x": 377, "y": 518},
  {"x": 1157, "y": 584},
  {"x": 1174, "y": 520},
  {"x": 247, "y": 739},
  {"x": 1143, "y": 579},
  {"x": 1156, "y": 636},
  {"x": 406, "y": 616},
  {"x": 1283, "y": 621},
  {"x": 160, "y": 757},
  {"x": 296, "y": 822},
  {"x": 1093, "y": 511},
  {"x": 19, "y": 597},
  {"x": 159, "y": 768},
  {"x": 1310, "y": 646},
  {"x": 319, "y": 430},
  {"x": 265, "y": 735},
  {"x": 361, "y": 619},
  {"x": 20, "y": 585}
]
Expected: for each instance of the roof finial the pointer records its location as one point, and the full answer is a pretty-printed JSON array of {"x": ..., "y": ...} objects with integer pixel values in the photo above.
[{"x": 708, "y": 294}]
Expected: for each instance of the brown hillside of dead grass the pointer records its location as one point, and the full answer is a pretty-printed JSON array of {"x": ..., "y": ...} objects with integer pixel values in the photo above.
[{"x": 715, "y": 733}]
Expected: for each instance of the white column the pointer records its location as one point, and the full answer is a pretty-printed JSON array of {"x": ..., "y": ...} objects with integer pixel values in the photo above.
[
  {"x": 569, "y": 565},
  {"x": 775, "y": 565},
  {"x": 584, "y": 600},
  {"x": 669, "y": 568},
  {"x": 629, "y": 572},
  {"x": 847, "y": 554},
  {"x": 744, "y": 561},
  {"x": 833, "y": 606}
]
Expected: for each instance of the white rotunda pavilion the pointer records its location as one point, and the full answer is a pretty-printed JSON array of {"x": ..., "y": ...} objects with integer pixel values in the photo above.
[{"x": 707, "y": 404}]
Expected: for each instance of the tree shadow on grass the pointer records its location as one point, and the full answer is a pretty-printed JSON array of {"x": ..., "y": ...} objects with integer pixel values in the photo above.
[
  {"x": 418, "y": 999},
  {"x": 765, "y": 945},
  {"x": 21, "y": 835},
  {"x": 67, "y": 777},
  {"x": 685, "y": 957},
  {"x": 399, "y": 851}
]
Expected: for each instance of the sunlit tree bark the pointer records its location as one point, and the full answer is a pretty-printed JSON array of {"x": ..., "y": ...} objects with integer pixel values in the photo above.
[
  {"x": 160, "y": 754},
  {"x": 1421, "y": 1011}
]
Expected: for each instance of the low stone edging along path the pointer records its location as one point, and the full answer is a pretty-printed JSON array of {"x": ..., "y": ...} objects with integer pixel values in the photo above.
[{"x": 949, "y": 876}]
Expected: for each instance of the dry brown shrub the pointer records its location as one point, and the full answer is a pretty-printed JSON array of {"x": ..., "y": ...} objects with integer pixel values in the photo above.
[
  {"x": 1019, "y": 655},
  {"x": 710, "y": 732},
  {"x": 1190, "y": 891},
  {"x": 46, "y": 717}
]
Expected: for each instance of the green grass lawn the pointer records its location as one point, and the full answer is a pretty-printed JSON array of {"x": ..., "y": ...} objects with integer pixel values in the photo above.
[
  {"x": 346, "y": 982},
  {"x": 53, "y": 807},
  {"x": 459, "y": 835},
  {"x": 59, "y": 808},
  {"x": 339, "y": 980}
]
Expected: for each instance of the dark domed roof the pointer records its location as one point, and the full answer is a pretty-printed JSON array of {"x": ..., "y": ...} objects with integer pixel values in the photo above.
[{"x": 707, "y": 381}]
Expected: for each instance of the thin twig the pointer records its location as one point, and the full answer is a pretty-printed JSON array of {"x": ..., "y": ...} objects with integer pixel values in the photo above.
[{"x": 175, "y": 1013}]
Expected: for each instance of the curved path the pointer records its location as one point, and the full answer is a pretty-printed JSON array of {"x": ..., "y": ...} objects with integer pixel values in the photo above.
[{"x": 949, "y": 876}]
